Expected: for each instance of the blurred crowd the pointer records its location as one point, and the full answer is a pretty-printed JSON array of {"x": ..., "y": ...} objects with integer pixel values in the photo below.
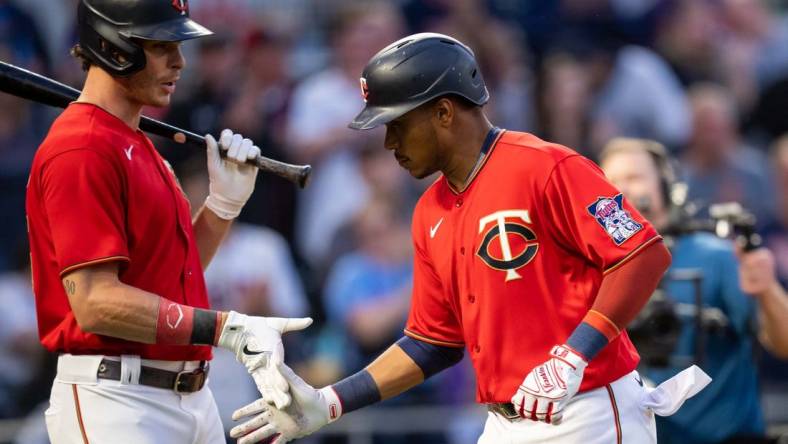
[{"x": 706, "y": 78}]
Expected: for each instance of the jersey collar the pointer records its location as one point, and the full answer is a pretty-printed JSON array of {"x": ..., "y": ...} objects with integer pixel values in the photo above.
[{"x": 487, "y": 146}]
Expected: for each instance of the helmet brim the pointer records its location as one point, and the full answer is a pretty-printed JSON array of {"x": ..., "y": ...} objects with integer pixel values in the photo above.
[
  {"x": 176, "y": 30},
  {"x": 373, "y": 116}
]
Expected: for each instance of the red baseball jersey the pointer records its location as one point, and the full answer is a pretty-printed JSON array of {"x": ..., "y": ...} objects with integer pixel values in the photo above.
[
  {"x": 99, "y": 192},
  {"x": 509, "y": 266}
]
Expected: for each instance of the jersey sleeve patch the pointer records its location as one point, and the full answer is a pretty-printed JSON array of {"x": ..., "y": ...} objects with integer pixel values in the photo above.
[{"x": 609, "y": 212}]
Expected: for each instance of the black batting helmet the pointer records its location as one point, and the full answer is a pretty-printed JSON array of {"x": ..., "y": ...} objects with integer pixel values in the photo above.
[
  {"x": 413, "y": 71},
  {"x": 108, "y": 29}
]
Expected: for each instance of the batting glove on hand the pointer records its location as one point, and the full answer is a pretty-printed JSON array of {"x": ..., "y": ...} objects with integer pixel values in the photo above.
[
  {"x": 257, "y": 343},
  {"x": 310, "y": 410},
  {"x": 548, "y": 388},
  {"x": 231, "y": 179}
]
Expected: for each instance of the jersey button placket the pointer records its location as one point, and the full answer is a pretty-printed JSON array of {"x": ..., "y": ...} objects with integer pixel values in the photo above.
[
  {"x": 471, "y": 298},
  {"x": 458, "y": 202}
]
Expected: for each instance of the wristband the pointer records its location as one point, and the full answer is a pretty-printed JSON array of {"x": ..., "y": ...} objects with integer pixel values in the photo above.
[
  {"x": 225, "y": 208},
  {"x": 179, "y": 324},
  {"x": 356, "y": 391},
  {"x": 592, "y": 335}
]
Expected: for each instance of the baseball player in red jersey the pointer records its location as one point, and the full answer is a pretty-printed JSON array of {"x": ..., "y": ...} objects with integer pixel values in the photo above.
[
  {"x": 525, "y": 256},
  {"x": 118, "y": 262}
]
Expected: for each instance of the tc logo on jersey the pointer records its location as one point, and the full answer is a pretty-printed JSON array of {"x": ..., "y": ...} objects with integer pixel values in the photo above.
[
  {"x": 508, "y": 253},
  {"x": 611, "y": 215}
]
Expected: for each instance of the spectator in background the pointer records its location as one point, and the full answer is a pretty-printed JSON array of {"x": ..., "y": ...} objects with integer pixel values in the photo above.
[
  {"x": 776, "y": 233},
  {"x": 728, "y": 408},
  {"x": 211, "y": 91},
  {"x": 21, "y": 124},
  {"x": 263, "y": 94},
  {"x": 636, "y": 95},
  {"x": 686, "y": 37},
  {"x": 502, "y": 56},
  {"x": 367, "y": 292},
  {"x": 758, "y": 279},
  {"x": 318, "y": 133},
  {"x": 253, "y": 271},
  {"x": 21, "y": 39},
  {"x": 619, "y": 91},
  {"x": 19, "y": 138},
  {"x": 720, "y": 167},
  {"x": 21, "y": 356},
  {"x": 565, "y": 100},
  {"x": 367, "y": 298},
  {"x": 752, "y": 50}
]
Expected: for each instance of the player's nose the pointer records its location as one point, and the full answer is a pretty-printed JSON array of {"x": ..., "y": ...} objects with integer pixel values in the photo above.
[
  {"x": 177, "y": 60},
  {"x": 390, "y": 142}
]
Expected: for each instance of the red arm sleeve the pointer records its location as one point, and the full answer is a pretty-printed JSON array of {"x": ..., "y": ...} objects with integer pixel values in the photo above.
[
  {"x": 626, "y": 289},
  {"x": 83, "y": 199}
]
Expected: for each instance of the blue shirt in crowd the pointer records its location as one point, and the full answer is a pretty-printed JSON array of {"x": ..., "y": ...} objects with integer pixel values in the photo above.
[
  {"x": 358, "y": 279},
  {"x": 729, "y": 406}
]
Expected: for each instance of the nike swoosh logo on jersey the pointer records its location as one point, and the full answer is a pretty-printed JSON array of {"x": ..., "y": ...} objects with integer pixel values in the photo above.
[
  {"x": 128, "y": 151},
  {"x": 434, "y": 229},
  {"x": 250, "y": 352}
]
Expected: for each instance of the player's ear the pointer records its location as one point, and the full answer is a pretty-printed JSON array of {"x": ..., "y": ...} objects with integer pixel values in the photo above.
[{"x": 444, "y": 110}]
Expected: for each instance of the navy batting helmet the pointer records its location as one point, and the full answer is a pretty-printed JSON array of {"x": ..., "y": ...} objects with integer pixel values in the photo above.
[
  {"x": 413, "y": 71},
  {"x": 108, "y": 30}
]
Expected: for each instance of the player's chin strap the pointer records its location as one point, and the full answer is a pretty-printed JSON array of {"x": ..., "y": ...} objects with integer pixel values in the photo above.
[{"x": 669, "y": 396}]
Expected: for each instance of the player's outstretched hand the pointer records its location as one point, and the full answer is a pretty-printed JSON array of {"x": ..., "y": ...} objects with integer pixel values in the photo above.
[
  {"x": 309, "y": 410},
  {"x": 231, "y": 179},
  {"x": 257, "y": 343},
  {"x": 548, "y": 388}
]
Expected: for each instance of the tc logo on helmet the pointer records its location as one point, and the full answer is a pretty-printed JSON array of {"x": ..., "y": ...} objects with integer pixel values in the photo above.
[
  {"x": 364, "y": 88},
  {"x": 181, "y": 5}
]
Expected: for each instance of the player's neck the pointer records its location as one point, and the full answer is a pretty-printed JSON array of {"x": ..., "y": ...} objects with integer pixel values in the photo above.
[
  {"x": 102, "y": 90},
  {"x": 466, "y": 147}
]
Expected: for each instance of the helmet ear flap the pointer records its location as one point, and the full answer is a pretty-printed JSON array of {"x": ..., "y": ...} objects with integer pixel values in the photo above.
[
  {"x": 106, "y": 47},
  {"x": 110, "y": 30}
]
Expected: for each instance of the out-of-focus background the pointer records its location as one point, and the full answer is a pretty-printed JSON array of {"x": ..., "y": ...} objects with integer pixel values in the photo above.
[{"x": 707, "y": 78}]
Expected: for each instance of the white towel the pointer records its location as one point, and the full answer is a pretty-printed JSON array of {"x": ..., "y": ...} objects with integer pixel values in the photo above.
[{"x": 669, "y": 396}]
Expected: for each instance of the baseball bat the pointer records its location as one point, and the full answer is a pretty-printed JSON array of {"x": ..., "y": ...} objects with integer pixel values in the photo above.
[{"x": 31, "y": 86}]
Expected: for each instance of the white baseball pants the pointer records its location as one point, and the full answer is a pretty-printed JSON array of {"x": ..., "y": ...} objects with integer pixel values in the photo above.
[
  {"x": 620, "y": 412},
  {"x": 612, "y": 414},
  {"x": 86, "y": 410}
]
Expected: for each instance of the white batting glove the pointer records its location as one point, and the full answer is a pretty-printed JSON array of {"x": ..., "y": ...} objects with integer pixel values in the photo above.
[
  {"x": 310, "y": 410},
  {"x": 548, "y": 388},
  {"x": 257, "y": 344},
  {"x": 231, "y": 179}
]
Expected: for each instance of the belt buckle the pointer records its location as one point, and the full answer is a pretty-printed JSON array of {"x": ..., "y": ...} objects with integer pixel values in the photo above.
[
  {"x": 181, "y": 386},
  {"x": 507, "y": 410}
]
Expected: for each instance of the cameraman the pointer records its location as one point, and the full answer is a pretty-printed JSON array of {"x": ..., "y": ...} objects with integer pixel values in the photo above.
[
  {"x": 759, "y": 279},
  {"x": 728, "y": 410}
]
